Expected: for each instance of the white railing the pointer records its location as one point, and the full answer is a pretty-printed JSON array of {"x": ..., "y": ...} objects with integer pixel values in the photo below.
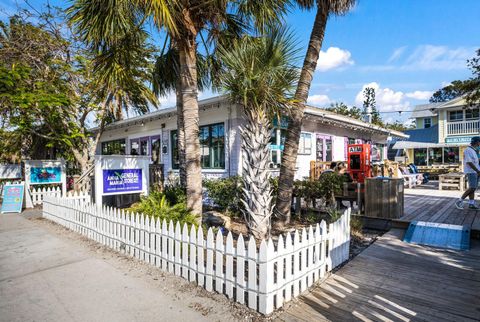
[
  {"x": 463, "y": 127},
  {"x": 218, "y": 264}
]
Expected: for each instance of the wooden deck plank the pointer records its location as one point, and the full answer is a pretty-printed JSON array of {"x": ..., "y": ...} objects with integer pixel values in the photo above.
[{"x": 393, "y": 280}]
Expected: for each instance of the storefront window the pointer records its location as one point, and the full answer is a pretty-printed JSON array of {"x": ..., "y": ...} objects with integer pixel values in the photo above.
[
  {"x": 113, "y": 147},
  {"x": 328, "y": 150},
  {"x": 305, "y": 144},
  {"x": 324, "y": 148},
  {"x": 420, "y": 156},
  {"x": 212, "y": 147},
  {"x": 435, "y": 156},
  {"x": 451, "y": 155},
  {"x": 427, "y": 122}
]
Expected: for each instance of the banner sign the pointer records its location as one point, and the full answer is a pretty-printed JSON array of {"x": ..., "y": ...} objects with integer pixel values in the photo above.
[
  {"x": 12, "y": 198},
  {"x": 10, "y": 171},
  {"x": 458, "y": 139},
  {"x": 45, "y": 175},
  {"x": 122, "y": 180}
]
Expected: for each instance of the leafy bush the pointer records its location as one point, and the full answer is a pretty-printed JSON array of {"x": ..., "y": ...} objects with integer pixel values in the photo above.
[
  {"x": 226, "y": 193},
  {"x": 156, "y": 205},
  {"x": 326, "y": 187},
  {"x": 175, "y": 194}
]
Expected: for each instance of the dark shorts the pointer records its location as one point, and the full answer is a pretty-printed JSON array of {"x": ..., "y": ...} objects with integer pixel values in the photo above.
[{"x": 472, "y": 180}]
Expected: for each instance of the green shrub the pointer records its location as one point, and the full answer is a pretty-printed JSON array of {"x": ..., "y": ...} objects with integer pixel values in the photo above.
[
  {"x": 326, "y": 187},
  {"x": 226, "y": 193},
  {"x": 175, "y": 194},
  {"x": 156, "y": 205}
]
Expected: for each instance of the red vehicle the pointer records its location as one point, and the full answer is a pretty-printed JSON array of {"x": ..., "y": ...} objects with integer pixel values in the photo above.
[{"x": 359, "y": 161}]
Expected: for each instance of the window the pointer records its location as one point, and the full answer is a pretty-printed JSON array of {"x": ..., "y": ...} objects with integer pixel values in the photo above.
[
  {"x": 155, "y": 143},
  {"x": 420, "y": 156},
  {"x": 324, "y": 148},
  {"x": 471, "y": 114},
  {"x": 212, "y": 147},
  {"x": 305, "y": 144},
  {"x": 451, "y": 155},
  {"x": 454, "y": 116},
  {"x": 113, "y": 147},
  {"x": 427, "y": 122},
  {"x": 435, "y": 156}
]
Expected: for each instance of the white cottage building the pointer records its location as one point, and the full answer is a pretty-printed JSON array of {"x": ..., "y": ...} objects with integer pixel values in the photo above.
[{"x": 325, "y": 136}]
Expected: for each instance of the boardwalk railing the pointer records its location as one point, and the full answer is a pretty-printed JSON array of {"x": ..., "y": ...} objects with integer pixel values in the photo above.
[{"x": 217, "y": 263}]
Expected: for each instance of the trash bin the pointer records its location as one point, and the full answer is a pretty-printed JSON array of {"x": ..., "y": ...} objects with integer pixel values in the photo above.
[{"x": 384, "y": 198}]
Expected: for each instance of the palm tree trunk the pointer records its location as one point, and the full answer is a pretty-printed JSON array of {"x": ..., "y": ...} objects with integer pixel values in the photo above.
[
  {"x": 257, "y": 190},
  {"x": 180, "y": 136},
  {"x": 289, "y": 158},
  {"x": 188, "y": 78}
]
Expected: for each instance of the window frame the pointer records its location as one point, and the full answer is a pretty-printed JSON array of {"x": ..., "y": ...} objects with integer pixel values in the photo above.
[
  {"x": 425, "y": 122},
  {"x": 303, "y": 149},
  {"x": 456, "y": 112},
  {"x": 174, "y": 148},
  {"x": 116, "y": 141}
]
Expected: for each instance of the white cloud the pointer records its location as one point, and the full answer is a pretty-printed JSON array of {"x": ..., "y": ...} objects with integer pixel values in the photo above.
[
  {"x": 420, "y": 95},
  {"x": 397, "y": 53},
  {"x": 430, "y": 57},
  {"x": 319, "y": 100},
  {"x": 387, "y": 99},
  {"x": 334, "y": 58}
]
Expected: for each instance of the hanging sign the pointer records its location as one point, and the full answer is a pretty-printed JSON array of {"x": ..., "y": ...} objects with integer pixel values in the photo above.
[
  {"x": 12, "y": 198},
  {"x": 122, "y": 180}
]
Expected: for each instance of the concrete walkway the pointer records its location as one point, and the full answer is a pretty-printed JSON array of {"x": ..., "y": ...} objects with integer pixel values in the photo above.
[
  {"x": 395, "y": 281},
  {"x": 50, "y": 274}
]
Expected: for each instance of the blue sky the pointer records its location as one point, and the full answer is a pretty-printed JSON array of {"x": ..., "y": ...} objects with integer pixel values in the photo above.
[{"x": 405, "y": 49}]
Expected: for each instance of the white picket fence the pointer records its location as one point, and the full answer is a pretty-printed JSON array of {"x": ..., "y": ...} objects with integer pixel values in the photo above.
[
  {"x": 217, "y": 263},
  {"x": 39, "y": 194}
]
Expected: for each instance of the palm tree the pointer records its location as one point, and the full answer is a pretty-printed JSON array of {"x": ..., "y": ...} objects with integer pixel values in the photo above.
[
  {"x": 259, "y": 75},
  {"x": 324, "y": 8},
  {"x": 102, "y": 23}
]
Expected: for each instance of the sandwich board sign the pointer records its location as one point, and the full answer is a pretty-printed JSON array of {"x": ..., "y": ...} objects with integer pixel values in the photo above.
[{"x": 13, "y": 197}]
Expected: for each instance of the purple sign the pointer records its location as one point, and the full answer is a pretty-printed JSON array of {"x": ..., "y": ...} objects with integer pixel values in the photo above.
[{"x": 122, "y": 180}]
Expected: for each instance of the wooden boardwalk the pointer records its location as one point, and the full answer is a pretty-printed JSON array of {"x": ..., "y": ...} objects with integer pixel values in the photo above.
[
  {"x": 395, "y": 281},
  {"x": 427, "y": 203}
]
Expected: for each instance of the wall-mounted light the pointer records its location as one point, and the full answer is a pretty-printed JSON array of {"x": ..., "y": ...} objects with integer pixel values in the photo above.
[{"x": 143, "y": 124}]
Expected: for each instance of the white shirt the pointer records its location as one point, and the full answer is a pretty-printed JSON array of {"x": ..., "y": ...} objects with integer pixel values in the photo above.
[{"x": 470, "y": 155}]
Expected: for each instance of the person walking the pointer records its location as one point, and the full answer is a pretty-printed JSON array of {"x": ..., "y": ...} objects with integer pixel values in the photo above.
[{"x": 471, "y": 168}]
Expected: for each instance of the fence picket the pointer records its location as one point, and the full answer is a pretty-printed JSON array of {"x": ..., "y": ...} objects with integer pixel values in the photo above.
[
  {"x": 280, "y": 279},
  {"x": 240, "y": 273},
  {"x": 209, "y": 268},
  {"x": 229, "y": 252},
  {"x": 158, "y": 242},
  {"x": 303, "y": 260},
  {"x": 296, "y": 263},
  {"x": 178, "y": 259},
  {"x": 164, "y": 245},
  {"x": 310, "y": 258},
  {"x": 288, "y": 267},
  {"x": 252, "y": 273},
  {"x": 201, "y": 256},
  {"x": 146, "y": 243},
  {"x": 185, "y": 240},
  {"x": 192, "y": 265},
  {"x": 171, "y": 238},
  {"x": 219, "y": 250}
]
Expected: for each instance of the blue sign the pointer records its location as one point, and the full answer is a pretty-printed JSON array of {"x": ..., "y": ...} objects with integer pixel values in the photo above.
[
  {"x": 122, "y": 180},
  {"x": 12, "y": 198},
  {"x": 277, "y": 147},
  {"x": 458, "y": 139},
  {"x": 46, "y": 175}
]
